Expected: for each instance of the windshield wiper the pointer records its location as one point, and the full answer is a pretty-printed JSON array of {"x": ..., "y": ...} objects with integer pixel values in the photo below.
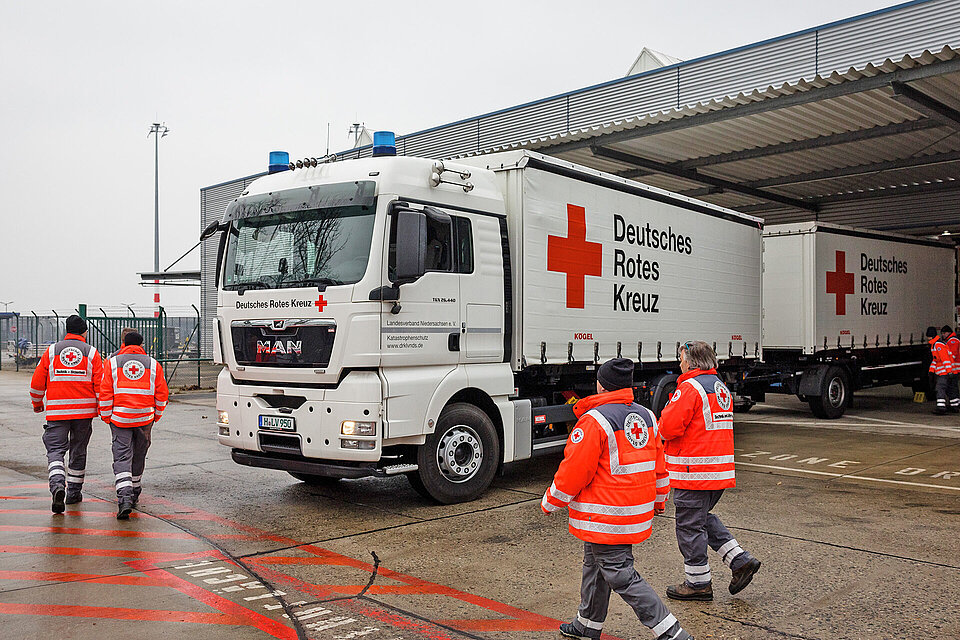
[
  {"x": 254, "y": 284},
  {"x": 313, "y": 281}
]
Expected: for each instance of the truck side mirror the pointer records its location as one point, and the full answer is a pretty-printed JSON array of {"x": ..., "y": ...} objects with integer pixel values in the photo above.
[
  {"x": 211, "y": 229},
  {"x": 411, "y": 245}
]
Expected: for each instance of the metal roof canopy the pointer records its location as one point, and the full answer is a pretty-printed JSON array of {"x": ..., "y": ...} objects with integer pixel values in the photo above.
[
  {"x": 854, "y": 122},
  {"x": 807, "y": 150}
]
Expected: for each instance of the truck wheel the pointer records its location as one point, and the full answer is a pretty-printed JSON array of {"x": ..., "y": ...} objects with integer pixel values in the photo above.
[
  {"x": 661, "y": 395},
  {"x": 835, "y": 395},
  {"x": 316, "y": 481},
  {"x": 459, "y": 459}
]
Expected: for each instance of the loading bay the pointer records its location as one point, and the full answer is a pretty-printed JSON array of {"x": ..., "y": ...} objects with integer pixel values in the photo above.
[{"x": 855, "y": 520}]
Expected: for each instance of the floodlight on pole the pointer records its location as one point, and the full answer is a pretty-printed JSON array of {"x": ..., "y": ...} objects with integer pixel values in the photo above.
[
  {"x": 157, "y": 130},
  {"x": 6, "y": 305}
]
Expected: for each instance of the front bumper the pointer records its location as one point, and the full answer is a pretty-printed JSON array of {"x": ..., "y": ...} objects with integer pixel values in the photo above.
[
  {"x": 326, "y": 468},
  {"x": 318, "y": 418}
]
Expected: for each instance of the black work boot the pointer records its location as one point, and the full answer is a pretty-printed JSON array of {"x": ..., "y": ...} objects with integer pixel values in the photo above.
[
  {"x": 568, "y": 630},
  {"x": 684, "y": 591},
  {"x": 73, "y": 497},
  {"x": 124, "y": 507},
  {"x": 743, "y": 576},
  {"x": 58, "y": 495},
  {"x": 136, "y": 497}
]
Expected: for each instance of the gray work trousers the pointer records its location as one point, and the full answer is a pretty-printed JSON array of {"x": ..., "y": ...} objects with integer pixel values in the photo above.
[
  {"x": 130, "y": 446},
  {"x": 609, "y": 567},
  {"x": 59, "y": 437},
  {"x": 947, "y": 391},
  {"x": 696, "y": 528}
]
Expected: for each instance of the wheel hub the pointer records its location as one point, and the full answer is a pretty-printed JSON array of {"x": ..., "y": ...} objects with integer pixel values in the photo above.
[
  {"x": 460, "y": 454},
  {"x": 835, "y": 392}
]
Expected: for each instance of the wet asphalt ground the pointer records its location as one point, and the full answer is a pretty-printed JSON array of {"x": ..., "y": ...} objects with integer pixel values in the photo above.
[{"x": 857, "y": 522}]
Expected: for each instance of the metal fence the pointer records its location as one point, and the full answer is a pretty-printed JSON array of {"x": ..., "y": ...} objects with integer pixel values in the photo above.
[{"x": 174, "y": 341}]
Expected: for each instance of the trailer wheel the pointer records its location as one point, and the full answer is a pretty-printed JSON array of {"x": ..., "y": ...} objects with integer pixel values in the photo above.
[
  {"x": 314, "y": 480},
  {"x": 663, "y": 389},
  {"x": 835, "y": 395},
  {"x": 459, "y": 459}
]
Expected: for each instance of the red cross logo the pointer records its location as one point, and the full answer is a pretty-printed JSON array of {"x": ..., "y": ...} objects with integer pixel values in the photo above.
[
  {"x": 320, "y": 304},
  {"x": 723, "y": 396},
  {"x": 574, "y": 256},
  {"x": 636, "y": 430},
  {"x": 840, "y": 283}
]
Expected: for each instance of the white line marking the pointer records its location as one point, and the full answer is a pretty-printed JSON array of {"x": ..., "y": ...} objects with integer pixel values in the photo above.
[
  {"x": 846, "y": 475},
  {"x": 831, "y": 423}
]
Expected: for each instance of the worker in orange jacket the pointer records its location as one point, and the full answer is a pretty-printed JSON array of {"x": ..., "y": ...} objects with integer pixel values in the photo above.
[
  {"x": 613, "y": 480},
  {"x": 697, "y": 425},
  {"x": 133, "y": 397},
  {"x": 953, "y": 346},
  {"x": 941, "y": 366},
  {"x": 68, "y": 374}
]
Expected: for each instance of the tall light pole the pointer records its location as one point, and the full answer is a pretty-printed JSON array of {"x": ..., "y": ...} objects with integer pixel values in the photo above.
[
  {"x": 157, "y": 130},
  {"x": 6, "y": 304}
]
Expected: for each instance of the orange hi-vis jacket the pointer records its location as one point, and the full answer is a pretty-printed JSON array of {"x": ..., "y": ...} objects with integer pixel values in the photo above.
[
  {"x": 697, "y": 425},
  {"x": 69, "y": 374},
  {"x": 134, "y": 391},
  {"x": 612, "y": 472},
  {"x": 953, "y": 346},
  {"x": 942, "y": 363}
]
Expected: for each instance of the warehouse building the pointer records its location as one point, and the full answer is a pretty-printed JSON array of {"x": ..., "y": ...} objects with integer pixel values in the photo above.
[{"x": 854, "y": 122}]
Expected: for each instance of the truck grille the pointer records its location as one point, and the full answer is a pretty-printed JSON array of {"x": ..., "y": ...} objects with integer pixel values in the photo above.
[{"x": 283, "y": 343}]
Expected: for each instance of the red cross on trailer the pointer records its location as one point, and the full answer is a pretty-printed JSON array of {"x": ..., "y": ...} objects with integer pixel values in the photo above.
[
  {"x": 840, "y": 283},
  {"x": 320, "y": 304},
  {"x": 575, "y": 256}
]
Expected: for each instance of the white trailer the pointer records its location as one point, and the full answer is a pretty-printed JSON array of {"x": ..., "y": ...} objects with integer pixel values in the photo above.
[
  {"x": 845, "y": 309},
  {"x": 400, "y": 315}
]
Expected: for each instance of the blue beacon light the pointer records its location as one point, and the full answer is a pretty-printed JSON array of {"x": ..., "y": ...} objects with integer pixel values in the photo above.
[
  {"x": 279, "y": 161},
  {"x": 384, "y": 144}
]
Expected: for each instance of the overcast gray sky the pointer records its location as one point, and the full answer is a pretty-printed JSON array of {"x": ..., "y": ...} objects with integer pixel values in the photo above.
[{"x": 80, "y": 83}]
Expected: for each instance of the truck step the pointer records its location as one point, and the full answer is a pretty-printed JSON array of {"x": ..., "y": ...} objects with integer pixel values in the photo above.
[{"x": 394, "y": 469}]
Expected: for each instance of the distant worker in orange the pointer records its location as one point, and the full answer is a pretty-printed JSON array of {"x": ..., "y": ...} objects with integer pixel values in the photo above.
[
  {"x": 953, "y": 346},
  {"x": 68, "y": 374},
  {"x": 941, "y": 366},
  {"x": 613, "y": 480},
  {"x": 697, "y": 425},
  {"x": 132, "y": 397}
]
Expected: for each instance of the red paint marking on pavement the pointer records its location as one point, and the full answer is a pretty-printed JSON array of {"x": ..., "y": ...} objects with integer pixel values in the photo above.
[
  {"x": 44, "y": 498},
  {"x": 118, "y": 613},
  {"x": 111, "y": 553},
  {"x": 120, "y": 533},
  {"x": 423, "y": 630},
  {"x": 499, "y": 624},
  {"x": 51, "y": 576},
  {"x": 95, "y": 514},
  {"x": 384, "y": 589},
  {"x": 289, "y": 560},
  {"x": 226, "y": 607},
  {"x": 37, "y": 485}
]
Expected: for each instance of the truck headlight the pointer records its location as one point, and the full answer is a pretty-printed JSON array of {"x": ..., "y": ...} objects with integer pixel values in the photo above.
[
  {"x": 355, "y": 428},
  {"x": 223, "y": 417},
  {"x": 363, "y": 445}
]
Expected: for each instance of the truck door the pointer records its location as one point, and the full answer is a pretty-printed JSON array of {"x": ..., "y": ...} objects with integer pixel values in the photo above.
[
  {"x": 424, "y": 326},
  {"x": 478, "y": 244}
]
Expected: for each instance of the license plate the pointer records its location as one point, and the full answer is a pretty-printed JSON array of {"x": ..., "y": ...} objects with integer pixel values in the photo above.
[{"x": 278, "y": 422}]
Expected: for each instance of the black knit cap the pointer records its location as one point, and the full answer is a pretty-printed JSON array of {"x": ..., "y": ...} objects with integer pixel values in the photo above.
[
  {"x": 932, "y": 332},
  {"x": 946, "y": 329},
  {"x": 76, "y": 325},
  {"x": 616, "y": 374}
]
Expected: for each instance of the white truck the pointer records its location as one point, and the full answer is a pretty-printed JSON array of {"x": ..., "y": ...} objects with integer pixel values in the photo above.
[
  {"x": 400, "y": 315},
  {"x": 846, "y": 309}
]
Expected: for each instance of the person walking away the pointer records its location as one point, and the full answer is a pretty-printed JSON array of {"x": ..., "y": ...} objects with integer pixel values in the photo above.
[
  {"x": 133, "y": 396},
  {"x": 953, "y": 346},
  {"x": 68, "y": 378},
  {"x": 697, "y": 425},
  {"x": 613, "y": 480},
  {"x": 941, "y": 365}
]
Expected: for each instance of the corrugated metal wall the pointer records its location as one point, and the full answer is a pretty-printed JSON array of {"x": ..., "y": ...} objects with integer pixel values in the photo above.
[
  {"x": 889, "y": 33},
  {"x": 213, "y": 202}
]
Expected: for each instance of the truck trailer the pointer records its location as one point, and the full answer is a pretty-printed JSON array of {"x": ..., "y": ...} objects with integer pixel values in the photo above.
[
  {"x": 397, "y": 315},
  {"x": 846, "y": 309}
]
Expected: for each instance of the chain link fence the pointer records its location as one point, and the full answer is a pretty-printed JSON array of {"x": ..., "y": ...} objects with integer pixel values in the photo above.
[{"x": 174, "y": 340}]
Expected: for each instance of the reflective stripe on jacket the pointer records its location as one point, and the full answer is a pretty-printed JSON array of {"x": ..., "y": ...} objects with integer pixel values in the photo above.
[
  {"x": 942, "y": 363},
  {"x": 134, "y": 392},
  {"x": 697, "y": 425},
  {"x": 953, "y": 346},
  {"x": 69, "y": 375},
  {"x": 612, "y": 473}
]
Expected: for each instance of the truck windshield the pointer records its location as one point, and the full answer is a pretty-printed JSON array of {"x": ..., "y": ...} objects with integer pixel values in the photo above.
[{"x": 325, "y": 246}]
